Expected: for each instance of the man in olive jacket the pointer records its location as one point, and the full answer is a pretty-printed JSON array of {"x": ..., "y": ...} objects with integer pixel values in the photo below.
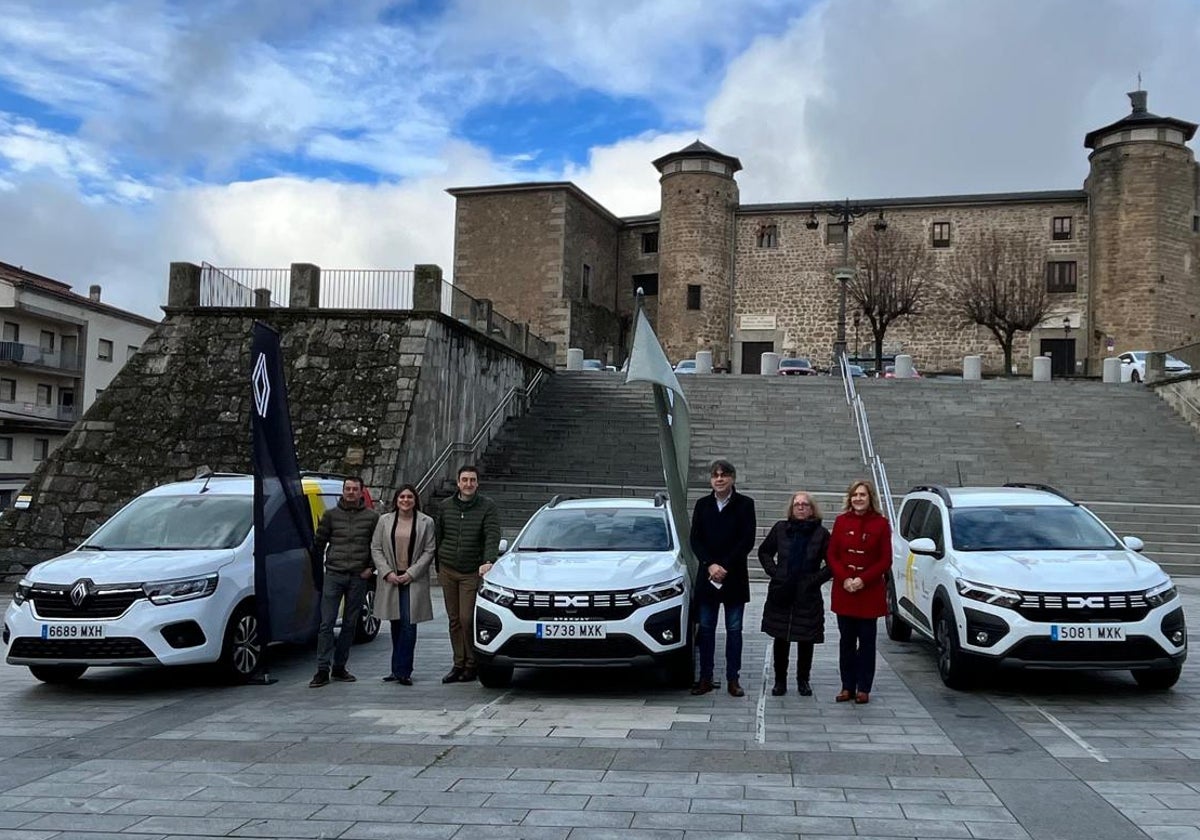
[
  {"x": 343, "y": 540},
  {"x": 467, "y": 529}
]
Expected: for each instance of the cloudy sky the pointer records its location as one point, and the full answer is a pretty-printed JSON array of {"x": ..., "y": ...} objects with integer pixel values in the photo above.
[{"x": 264, "y": 132}]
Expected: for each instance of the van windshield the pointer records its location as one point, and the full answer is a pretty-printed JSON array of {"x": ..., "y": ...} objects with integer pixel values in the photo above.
[{"x": 176, "y": 522}]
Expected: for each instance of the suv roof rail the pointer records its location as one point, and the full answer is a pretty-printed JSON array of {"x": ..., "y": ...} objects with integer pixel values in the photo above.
[
  {"x": 1045, "y": 488},
  {"x": 941, "y": 491},
  {"x": 559, "y": 497},
  {"x": 660, "y": 499}
]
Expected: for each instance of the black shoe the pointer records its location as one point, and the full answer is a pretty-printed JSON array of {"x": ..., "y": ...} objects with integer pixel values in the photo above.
[
  {"x": 404, "y": 680},
  {"x": 804, "y": 688},
  {"x": 391, "y": 678},
  {"x": 455, "y": 675},
  {"x": 319, "y": 679},
  {"x": 778, "y": 690},
  {"x": 343, "y": 676},
  {"x": 467, "y": 675}
]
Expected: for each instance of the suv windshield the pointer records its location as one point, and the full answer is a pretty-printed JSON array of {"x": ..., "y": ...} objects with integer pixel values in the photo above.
[
  {"x": 177, "y": 522},
  {"x": 597, "y": 529},
  {"x": 1036, "y": 528}
]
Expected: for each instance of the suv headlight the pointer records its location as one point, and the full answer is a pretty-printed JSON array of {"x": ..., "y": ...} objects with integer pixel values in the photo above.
[
  {"x": 1156, "y": 596},
  {"x": 987, "y": 594},
  {"x": 497, "y": 594},
  {"x": 172, "y": 591},
  {"x": 21, "y": 593},
  {"x": 658, "y": 592}
]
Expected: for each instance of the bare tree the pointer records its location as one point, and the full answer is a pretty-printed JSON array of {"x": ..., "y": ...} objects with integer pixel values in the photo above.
[
  {"x": 891, "y": 277},
  {"x": 1000, "y": 283}
]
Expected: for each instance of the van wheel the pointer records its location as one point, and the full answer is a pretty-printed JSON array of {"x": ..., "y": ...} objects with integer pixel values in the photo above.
[
  {"x": 495, "y": 676},
  {"x": 1159, "y": 680},
  {"x": 241, "y": 654},
  {"x": 951, "y": 664},
  {"x": 57, "y": 674},
  {"x": 898, "y": 629},
  {"x": 368, "y": 624}
]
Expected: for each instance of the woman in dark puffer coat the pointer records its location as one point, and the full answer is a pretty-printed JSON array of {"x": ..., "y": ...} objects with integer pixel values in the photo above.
[{"x": 793, "y": 556}]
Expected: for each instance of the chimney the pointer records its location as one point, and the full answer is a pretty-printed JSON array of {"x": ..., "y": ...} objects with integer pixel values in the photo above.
[
  {"x": 1138, "y": 99},
  {"x": 94, "y": 293}
]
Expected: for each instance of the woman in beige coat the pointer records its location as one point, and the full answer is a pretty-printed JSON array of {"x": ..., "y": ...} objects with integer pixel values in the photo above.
[{"x": 403, "y": 548}]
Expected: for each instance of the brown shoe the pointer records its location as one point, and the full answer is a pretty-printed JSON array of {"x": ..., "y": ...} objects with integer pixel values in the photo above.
[
  {"x": 702, "y": 687},
  {"x": 735, "y": 689},
  {"x": 844, "y": 695},
  {"x": 862, "y": 697}
]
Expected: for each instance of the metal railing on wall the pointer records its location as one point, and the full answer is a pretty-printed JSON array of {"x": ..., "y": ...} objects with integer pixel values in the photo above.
[
  {"x": 235, "y": 286},
  {"x": 366, "y": 288},
  {"x": 1189, "y": 354},
  {"x": 870, "y": 457}
]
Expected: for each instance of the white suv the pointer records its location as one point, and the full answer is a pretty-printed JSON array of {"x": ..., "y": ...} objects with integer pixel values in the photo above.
[
  {"x": 168, "y": 580},
  {"x": 587, "y": 582},
  {"x": 1023, "y": 576}
]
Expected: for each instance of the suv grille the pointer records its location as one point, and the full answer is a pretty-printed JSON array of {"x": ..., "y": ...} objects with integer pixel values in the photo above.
[
  {"x": 115, "y": 648},
  {"x": 573, "y": 606},
  {"x": 55, "y": 602},
  {"x": 1083, "y": 607},
  {"x": 531, "y": 647}
]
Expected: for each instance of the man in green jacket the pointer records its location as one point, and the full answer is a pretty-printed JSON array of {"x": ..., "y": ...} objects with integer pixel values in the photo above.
[{"x": 467, "y": 529}]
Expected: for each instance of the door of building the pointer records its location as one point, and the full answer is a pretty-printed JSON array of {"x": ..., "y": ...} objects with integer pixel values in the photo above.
[
  {"x": 752, "y": 355},
  {"x": 1062, "y": 355}
]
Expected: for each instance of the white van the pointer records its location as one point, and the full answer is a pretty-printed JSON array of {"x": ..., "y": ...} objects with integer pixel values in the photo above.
[{"x": 168, "y": 580}]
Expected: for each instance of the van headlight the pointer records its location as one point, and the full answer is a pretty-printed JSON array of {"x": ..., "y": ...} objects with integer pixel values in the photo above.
[
  {"x": 994, "y": 595},
  {"x": 497, "y": 594},
  {"x": 658, "y": 592},
  {"x": 21, "y": 593},
  {"x": 172, "y": 591},
  {"x": 1156, "y": 596}
]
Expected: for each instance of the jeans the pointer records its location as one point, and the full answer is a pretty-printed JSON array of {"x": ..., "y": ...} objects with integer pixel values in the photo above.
[
  {"x": 338, "y": 586},
  {"x": 707, "y": 638},
  {"x": 804, "y": 658},
  {"x": 856, "y": 652},
  {"x": 404, "y": 638},
  {"x": 458, "y": 589}
]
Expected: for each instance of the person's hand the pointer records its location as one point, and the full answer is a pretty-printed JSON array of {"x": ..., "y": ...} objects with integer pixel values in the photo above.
[
  {"x": 485, "y": 568},
  {"x": 403, "y": 579},
  {"x": 858, "y": 584},
  {"x": 717, "y": 572},
  {"x": 848, "y": 585},
  {"x": 366, "y": 574}
]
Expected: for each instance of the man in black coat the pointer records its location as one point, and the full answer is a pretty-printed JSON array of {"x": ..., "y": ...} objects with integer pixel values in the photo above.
[{"x": 723, "y": 532}]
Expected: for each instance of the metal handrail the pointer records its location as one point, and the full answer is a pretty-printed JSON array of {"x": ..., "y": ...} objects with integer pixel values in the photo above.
[
  {"x": 866, "y": 444},
  {"x": 472, "y": 446}
]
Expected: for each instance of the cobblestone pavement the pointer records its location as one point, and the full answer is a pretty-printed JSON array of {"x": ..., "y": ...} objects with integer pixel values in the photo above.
[{"x": 585, "y": 756}]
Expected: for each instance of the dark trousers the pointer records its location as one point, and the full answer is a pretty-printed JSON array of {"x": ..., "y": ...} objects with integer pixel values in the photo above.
[
  {"x": 804, "y": 658},
  {"x": 707, "y": 638},
  {"x": 338, "y": 586},
  {"x": 404, "y": 638},
  {"x": 856, "y": 652}
]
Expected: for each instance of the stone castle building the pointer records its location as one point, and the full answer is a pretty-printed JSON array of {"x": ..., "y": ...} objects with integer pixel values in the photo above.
[{"x": 1122, "y": 260}]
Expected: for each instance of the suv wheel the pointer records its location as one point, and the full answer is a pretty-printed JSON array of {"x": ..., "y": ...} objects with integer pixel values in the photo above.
[
  {"x": 57, "y": 674},
  {"x": 1159, "y": 680},
  {"x": 241, "y": 653},
  {"x": 898, "y": 629},
  {"x": 368, "y": 624},
  {"x": 951, "y": 664},
  {"x": 495, "y": 676}
]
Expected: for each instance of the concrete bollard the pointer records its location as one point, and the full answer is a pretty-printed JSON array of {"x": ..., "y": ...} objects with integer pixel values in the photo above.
[
  {"x": 574, "y": 358},
  {"x": 973, "y": 367},
  {"x": 1041, "y": 368},
  {"x": 768, "y": 364},
  {"x": 703, "y": 361},
  {"x": 904, "y": 366},
  {"x": 1112, "y": 370}
]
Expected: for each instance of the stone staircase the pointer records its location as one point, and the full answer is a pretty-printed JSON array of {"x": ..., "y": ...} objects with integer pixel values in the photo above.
[{"x": 1119, "y": 448}]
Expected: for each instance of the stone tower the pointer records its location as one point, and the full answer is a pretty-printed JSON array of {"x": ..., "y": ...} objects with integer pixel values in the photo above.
[
  {"x": 1142, "y": 188},
  {"x": 695, "y": 252}
]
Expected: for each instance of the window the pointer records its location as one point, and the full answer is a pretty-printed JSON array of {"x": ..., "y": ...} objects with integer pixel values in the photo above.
[
  {"x": 650, "y": 242},
  {"x": 940, "y": 235},
  {"x": 1196, "y": 224},
  {"x": 99, "y": 391},
  {"x": 41, "y": 449},
  {"x": 648, "y": 283},
  {"x": 6, "y": 498},
  {"x": 12, "y": 332},
  {"x": 130, "y": 351},
  {"x": 835, "y": 234},
  {"x": 8, "y": 390},
  {"x": 585, "y": 283},
  {"x": 768, "y": 236},
  {"x": 46, "y": 341},
  {"x": 1060, "y": 228},
  {"x": 45, "y": 394},
  {"x": 105, "y": 353},
  {"x": 6, "y": 448},
  {"x": 693, "y": 298},
  {"x": 1060, "y": 276}
]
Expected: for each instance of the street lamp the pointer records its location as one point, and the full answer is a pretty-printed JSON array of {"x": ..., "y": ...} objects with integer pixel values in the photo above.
[
  {"x": 857, "y": 346},
  {"x": 843, "y": 214}
]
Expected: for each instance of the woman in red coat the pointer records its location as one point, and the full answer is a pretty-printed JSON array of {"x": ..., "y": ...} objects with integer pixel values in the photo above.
[{"x": 860, "y": 555}]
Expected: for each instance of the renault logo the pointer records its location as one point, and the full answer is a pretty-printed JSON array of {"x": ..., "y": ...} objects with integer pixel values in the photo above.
[
  {"x": 80, "y": 591},
  {"x": 571, "y": 600}
]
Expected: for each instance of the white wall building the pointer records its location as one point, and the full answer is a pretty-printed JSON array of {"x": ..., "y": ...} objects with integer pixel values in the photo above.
[{"x": 58, "y": 351}]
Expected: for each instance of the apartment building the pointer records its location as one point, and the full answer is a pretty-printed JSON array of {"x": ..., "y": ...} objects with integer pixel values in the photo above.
[{"x": 58, "y": 351}]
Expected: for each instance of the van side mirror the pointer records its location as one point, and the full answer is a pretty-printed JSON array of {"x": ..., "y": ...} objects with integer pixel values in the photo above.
[
  {"x": 503, "y": 546},
  {"x": 924, "y": 545},
  {"x": 1134, "y": 543}
]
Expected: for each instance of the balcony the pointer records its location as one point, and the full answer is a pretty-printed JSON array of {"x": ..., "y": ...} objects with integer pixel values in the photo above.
[
  {"x": 15, "y": 352},
  {"x": 63, "y": 413}
]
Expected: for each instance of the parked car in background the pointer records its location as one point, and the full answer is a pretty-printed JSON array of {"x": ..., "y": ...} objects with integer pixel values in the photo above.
[
  {"x": 686, "y": 366},
  {"x": 593, "y": 364},
  {"x": 1133, "y": 366},
  {"x": 796, "y": 367},
  {"x": 889, "y": 372},
  {"x": 856, "y": 372}
]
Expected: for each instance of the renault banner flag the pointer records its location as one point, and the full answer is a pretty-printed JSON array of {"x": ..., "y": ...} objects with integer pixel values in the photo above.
[
  {"x": 648, "y": 363},
  {"x": 283, "y": 529}
]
